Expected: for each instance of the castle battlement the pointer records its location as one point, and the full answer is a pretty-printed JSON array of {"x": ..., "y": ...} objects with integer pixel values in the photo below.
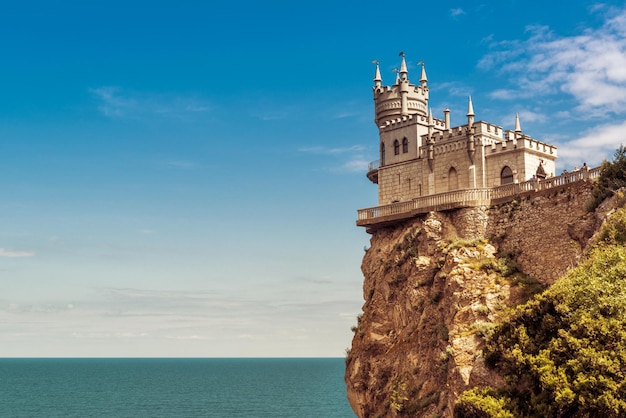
[
  {"x": 481, "y": 127},
  {"x": 409, "y": 120}
]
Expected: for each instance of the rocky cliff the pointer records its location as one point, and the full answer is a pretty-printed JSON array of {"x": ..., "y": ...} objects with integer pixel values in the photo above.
[{"x": 434, "y": 285}]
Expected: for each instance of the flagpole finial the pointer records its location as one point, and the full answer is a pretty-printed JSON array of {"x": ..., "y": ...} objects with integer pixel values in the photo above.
[{"x": 401, "y": 54}]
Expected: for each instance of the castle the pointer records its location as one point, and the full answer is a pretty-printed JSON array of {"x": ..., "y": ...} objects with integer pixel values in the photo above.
[{"x": 422, "y": 156}]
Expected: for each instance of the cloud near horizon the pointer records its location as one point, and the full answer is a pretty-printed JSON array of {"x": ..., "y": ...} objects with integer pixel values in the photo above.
[{"x": 15, "y": 254}]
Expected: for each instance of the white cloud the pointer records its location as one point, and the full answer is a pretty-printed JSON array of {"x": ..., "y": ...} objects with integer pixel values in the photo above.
[
  {"x": 15, "y": 254},
  {"x": 590, "y": 67},
  {"x": 116, "y": 103},
  {"x": 358, "y": 165},
  {"x": 456, "y": 12},
  {"x": 347, "y": 159},
  {"x": 455, "y": 88},
  {"x": 530, "y": 116},
  {"x": 328, "y": 150},
  {"x": 504, "y": 94}
]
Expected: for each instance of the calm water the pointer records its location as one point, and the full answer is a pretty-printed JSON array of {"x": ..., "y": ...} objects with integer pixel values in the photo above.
[{"x": 173, "y": 388}]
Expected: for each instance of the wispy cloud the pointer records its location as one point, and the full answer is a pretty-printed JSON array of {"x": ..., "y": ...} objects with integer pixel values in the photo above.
[
  {"x": 115, "y": 102},
  {"x": 590, "y": 67},
  {"x": 456, "y": 12},
  {"x": 345, "y": 159},
  {"x": 15, "y": 254},
  {"x": 356, "y": 165},
  {"x": 332, "y": 151},
  {"x": 455, "y": 89}
]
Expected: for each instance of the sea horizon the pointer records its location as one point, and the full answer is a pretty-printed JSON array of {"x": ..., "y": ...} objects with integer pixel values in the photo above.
[{"x": 173, "y": 386}]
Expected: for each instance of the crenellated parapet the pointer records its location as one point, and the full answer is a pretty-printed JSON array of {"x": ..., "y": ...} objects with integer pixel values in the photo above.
[
  {"x": 409, "y": 120},
  {"x": 389, "y": 102},
  {"x": 525, "y": 142}
]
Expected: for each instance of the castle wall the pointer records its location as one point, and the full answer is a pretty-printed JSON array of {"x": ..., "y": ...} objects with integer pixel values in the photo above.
[
  {"x": 400, "y": 182},
  {"x": 545, "y": 232},
  {"x": 389, "y": 136},
  {"x": 451, "y": 155}
]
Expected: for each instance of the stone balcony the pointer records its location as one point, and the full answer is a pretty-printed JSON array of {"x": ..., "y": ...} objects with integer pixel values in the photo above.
[{"x": 384, "y": 215}]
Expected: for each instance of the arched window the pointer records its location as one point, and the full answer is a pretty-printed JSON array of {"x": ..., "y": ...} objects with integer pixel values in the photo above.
[
  {"x": 453, "y": 179},
  {"x": 405, "y": 146},
  {"x": 382, "y": 154},
  {"x": 506, "y": 175},
  {"x": 396, "y": 147}
]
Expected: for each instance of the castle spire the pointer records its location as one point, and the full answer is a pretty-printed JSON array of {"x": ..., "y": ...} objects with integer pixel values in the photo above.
[
  {"x": 403, "y": 70},
  {"x": 377, "y": 78},
  {"x": 518, "y": 128},
  {"x": 470, "y": 112},
  {"x": 470, "y": 107},
  {"x": 423, "y": 79}
]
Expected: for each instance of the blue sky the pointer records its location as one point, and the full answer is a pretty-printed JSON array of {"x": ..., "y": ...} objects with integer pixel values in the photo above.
[{"x": 182, "y": 178}]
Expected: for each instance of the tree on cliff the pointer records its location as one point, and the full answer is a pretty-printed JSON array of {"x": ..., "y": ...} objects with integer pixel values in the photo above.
[
  {"x": 563, "y": 354},
  {"x": 612, "y": 177}
]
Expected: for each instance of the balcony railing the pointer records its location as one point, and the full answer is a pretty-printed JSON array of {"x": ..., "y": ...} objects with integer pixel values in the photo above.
[
  {"x": 374, "y": 165},
  {"x": 466, "y": 198}
]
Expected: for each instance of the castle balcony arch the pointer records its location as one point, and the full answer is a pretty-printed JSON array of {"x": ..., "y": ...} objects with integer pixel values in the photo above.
[
  {"x": 506, "y": 175},
  {"x": 453, "y": 179}
]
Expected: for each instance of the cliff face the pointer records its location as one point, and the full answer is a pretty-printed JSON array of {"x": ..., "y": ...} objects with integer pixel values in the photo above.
[{"x": 434, "y": 285}]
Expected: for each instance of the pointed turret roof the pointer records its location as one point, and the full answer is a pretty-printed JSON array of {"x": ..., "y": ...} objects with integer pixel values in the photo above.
[
  {"x": 470, "y": 107},
  {"x": 518, "y": 128},
  {"x": 377, "y": 78},
  {"x": 403, "y": 70},
  {"x": 423, "y": 79}
]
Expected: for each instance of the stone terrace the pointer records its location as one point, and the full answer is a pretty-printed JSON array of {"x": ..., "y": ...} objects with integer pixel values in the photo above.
[{"x": 384, "y": 215}]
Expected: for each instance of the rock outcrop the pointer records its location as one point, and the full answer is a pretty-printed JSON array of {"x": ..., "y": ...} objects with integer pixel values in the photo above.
[{"x": 436, "y": 284}]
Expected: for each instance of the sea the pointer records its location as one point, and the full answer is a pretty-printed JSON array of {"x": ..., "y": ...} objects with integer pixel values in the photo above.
[{"x": 190, "y": 387}]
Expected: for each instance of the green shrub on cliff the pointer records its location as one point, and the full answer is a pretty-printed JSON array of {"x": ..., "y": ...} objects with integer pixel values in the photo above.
[
  {"x": 563, "y": 354},
  {"x": 612, "y": 177}
]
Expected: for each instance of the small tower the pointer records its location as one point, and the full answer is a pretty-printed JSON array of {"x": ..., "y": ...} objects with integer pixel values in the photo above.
[
  {"x": 471, "y": 146},
  {"x": 401, "y": 99}
]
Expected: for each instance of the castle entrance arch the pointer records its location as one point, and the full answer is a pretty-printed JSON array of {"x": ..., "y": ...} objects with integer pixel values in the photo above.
[
  {"x": 453, "y": 179},
  {"x": 506, "y": 175}
]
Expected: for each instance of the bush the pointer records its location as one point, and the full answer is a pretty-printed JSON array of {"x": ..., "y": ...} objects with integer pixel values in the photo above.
[
  {"x": 482, "y": 403},
  {"x": 564, "y": 352},
  {"x": 612, "y": 177}
]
